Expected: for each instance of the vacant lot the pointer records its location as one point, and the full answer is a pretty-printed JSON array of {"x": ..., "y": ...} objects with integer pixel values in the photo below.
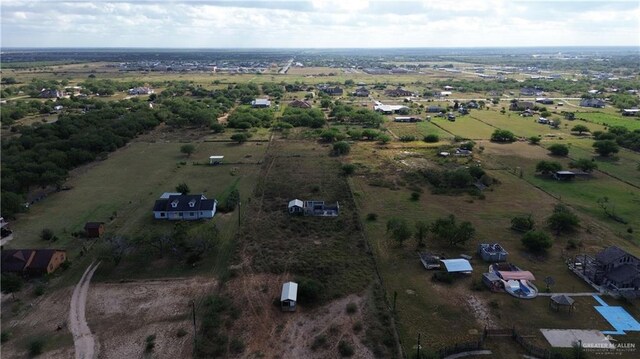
[{"x": 120, "y": 315}]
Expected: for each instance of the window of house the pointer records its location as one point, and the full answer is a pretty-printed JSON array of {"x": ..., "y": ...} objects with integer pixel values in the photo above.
[{"x": 161, "y": 214}]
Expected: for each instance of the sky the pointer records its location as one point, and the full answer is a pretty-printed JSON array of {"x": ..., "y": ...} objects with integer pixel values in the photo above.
[{"x": 319, "y": 23}]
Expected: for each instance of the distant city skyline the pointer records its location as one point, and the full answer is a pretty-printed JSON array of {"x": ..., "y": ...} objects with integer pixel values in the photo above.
[{"x": 318, "y": 24}]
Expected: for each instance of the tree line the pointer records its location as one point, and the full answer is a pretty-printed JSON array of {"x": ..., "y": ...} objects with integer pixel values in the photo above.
[{"x": 42, "y": 155}]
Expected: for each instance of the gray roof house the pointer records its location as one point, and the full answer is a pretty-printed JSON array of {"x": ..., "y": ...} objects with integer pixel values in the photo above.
[
  {"x": 313, "y": 208},
  {"x": 260, "y": 103},
  {"x": 592, "y": 102},
  {"x": 184, "y": 207}
]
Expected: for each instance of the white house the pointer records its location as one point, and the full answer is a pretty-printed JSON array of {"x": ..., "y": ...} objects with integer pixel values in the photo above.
[
  {"x": 261, "y": 103},
  {"x": 173, "y": 206}
]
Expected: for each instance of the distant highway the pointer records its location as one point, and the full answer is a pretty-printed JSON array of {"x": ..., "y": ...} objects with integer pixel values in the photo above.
[{"x": 286, "y": 67}]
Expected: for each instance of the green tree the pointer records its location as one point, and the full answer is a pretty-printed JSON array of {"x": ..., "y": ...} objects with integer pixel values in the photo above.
[
  {"x": 562, "y": 219},
  {"x": 399, "y": 229},
  {"x": 348, "y": 169},
  {"x": 239, "y": 137},
  {"x": 558, "y": 149},
  {"x": 341, "y": 148},
  {"x": 547, "y": 167},
  {"x": 422, "y": 229},
  {"x": 522, "y": 223},
  {"x": 534, "y": 140},
  {"x": 384, "y": 138},
  {"x": 447, "y": 230},
  {"x": 188, "y": 149},
  {"x": 183, "y": 188},
  {"x": 584, "y": 164},
  {"x": 502, "y": 136},
  {"x": 606, "y": 147},
  {"x": 580, "y": 129},
  {"x": 47, "y": 234},
  {"x": 431, "y": 138},
  {"x": 537, "y": 241},
  {"x": 11, "y": 284}
]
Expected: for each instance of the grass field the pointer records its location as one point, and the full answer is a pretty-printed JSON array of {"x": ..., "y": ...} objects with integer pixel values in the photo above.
[
  {"x": 610, "y": 119},
  {"x": 424, "y": 306}
]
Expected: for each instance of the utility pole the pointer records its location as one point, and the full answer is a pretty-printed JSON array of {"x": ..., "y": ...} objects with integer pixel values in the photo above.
[
  {"x": 239, "y": 207},
  {"x": 193, "y": 310},
  {"x": 418, "y": 347},
  {"x": 395, "y": 297}
]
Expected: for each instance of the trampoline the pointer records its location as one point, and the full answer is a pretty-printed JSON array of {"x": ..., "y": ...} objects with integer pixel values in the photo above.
[{"x": 619, "y": 318}]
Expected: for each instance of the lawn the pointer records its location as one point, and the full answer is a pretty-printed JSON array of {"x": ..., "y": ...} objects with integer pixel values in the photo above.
[
  {"x": 610, "y": 119},
  {"x": 417, "y": 129},
  {"x": 127, "y": 184},
  {"x": 427, "y": 307}
]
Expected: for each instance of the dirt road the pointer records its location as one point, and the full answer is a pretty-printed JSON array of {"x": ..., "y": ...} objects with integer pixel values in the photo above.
[{"x": 83, "y": 340}]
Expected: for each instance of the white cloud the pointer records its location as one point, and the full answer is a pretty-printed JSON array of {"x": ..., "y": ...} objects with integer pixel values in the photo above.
[{"x": 326, "y": 23}]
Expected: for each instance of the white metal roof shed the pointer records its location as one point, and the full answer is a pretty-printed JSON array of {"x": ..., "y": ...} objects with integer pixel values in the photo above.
[
  {"x": 289, "y": 291},
  {"x": 296, "y": 202},
  {"x": 457, "y": 265}
]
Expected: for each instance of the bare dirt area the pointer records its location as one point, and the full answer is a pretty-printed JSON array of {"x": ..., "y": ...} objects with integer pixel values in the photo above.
[
  {"x": 39, "y": 317},
  {"x": 123, "y": 315},
  {"x": 305, "y": 333}
]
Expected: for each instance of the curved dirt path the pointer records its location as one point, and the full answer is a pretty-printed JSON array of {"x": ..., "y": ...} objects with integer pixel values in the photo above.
[{"x": 83, "y": 340}]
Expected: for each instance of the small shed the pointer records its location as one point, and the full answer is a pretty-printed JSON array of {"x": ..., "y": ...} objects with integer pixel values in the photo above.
[
  {"x": 296, "y": 206},
  {"x": 492, "y": 281},
  {"x": 457, "y": 265},
  {"x": 429, "y": 261},
  {"x": 215, "y": 160},
  {"x": 492, "y": 252},
  {"x": 564, "y": 175},
  {"x": 94, "y": 229},
  {"x": 289, "y": 297},
  {"x": 561, "y": 300}
]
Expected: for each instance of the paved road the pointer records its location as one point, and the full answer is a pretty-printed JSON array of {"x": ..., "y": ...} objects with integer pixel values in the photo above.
[{"x": 83, "y": 340}]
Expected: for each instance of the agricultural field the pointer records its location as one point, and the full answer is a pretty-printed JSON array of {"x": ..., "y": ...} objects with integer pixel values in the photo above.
[{"x": 358, "y": 284}]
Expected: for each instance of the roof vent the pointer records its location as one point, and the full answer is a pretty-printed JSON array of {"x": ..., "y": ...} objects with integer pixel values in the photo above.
[
  {"x": 192, "y": 203},
  {"x": 174, "y": 203}
]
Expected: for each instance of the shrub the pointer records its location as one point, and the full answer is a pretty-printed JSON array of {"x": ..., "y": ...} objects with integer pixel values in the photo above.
[
  {"x": 534, "y": 140},
  {"x": 537, "y": 241},
  {"x": 372, "y": 217},
  {"x": 4, "y": 337},
  {"x": 39, "y": 290},
  {"x": 150, "y": 343},
  {"x": 341, "y": 148},
  {"x": 431, "y": 138},
  {"x": 47, "y": 234},
  {"x": 352, "y": 308},
  {"x": 345, "y": 349},
  {"x": 357, "y": 327},
  {"x": 36, "y": 346},
  {"x": 442, "y": 277},
  {"x": 237, "y": 346},
  {"x": 558, "y": 149},
  {"x": 584, "y": 164},
  {"x": 503, "y": 136},
  {"x": 467, "y": 145},
  {"x": 348, "y": 169},
  {"x": 407, "y": 138},
  {"x": 547, "y": 167},
  {"x": 320, "y": 341},
  {"x": 415, "y": 196},
  {"x": 181, "y": 332},
  {"x": 606, "y": 147},
  {"x": 309, "y": 290},
  {"x": 239, "y": 137},
  {"x": 384, "y": 138},
  {"x": 522, "y": 223},
  {"x": 562, "y": 219}
]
